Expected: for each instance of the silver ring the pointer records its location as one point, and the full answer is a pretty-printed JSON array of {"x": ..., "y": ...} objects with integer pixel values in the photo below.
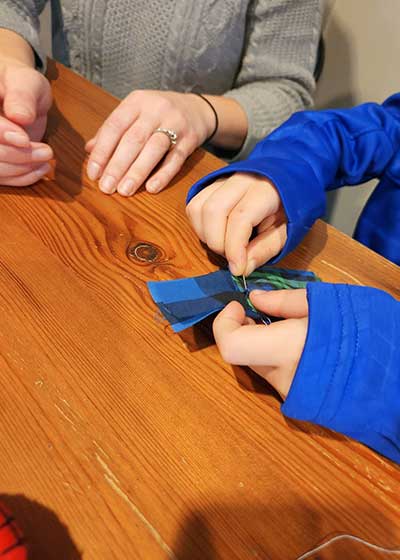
[{"x": 172, "y": 135}]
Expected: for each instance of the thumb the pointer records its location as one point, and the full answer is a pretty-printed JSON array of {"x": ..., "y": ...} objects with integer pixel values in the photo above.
[
  {"x": 281, "y": 303},
  {"x": 256, "y": 345},
  {"x": 231, "y": 318},
  {"x": 21, "y": 97}
]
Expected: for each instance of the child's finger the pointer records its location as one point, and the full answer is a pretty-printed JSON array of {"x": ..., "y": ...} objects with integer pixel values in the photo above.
[
  {"x": 265, "y": 246},
  {"x": 256, "y": 344},
  {"x": 194, "y": 209},
  {"x": 281, "y": 303},
  {"x": 259, "y": 202},
  {"x": 216, "y": 211}
]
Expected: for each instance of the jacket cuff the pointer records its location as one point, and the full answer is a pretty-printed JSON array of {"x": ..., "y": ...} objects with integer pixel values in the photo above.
[
  {"x": 348, "y": 376},
  {"x": 328, "y": 354},
  {"x": 302, "y": 196}
]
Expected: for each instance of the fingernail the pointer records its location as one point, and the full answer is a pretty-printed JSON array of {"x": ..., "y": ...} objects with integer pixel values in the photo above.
[
  {"x": 108, "y": 184},
  {"x": 19, "y": 110},
  {"x": 251, "y": 266},
  {"x": 43, "y": 169},
  {"x": 153, "y": 186},
  {"x": 16, "y": 139},
  {"x": 234, "y": 268},
  {"x": 93, "y": 170},
  {"x": 257, "y": 293},
  {"x": 127, "y": 187},
  {"x": 41, "y": 154}
]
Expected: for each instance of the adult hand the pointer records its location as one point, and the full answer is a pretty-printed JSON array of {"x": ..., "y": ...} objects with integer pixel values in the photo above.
[
  {"x": 272, "y": 351},
  {"x": 126, "y": 150},
  {"x": 25, "y": 97},
  {"x": 225, "y": 213}
]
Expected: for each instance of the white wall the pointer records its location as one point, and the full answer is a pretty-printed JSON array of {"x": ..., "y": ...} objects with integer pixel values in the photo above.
[{"x": 362, "y": 64}]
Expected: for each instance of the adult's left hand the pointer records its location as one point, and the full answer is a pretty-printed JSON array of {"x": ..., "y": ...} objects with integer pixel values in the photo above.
[
  {"x": 272, "y": 351},
  {"x": 126, "y": 149}
]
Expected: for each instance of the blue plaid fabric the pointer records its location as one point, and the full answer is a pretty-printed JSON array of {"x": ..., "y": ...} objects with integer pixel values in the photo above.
[{"x": 188, "y": 301}]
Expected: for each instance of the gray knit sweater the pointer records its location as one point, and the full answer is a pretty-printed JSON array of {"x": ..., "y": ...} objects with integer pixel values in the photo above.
[{"x": 260, "y": 52}]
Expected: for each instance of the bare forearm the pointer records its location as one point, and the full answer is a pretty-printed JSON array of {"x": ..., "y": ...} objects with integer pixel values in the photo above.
[
  {"x": 232, "y": 120},
  {"x": 14, "y": 48},
  {"x": 232, "y": 123}
]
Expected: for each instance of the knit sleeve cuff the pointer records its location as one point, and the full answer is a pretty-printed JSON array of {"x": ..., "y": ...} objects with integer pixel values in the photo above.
[{"x": 267, "y": 105}]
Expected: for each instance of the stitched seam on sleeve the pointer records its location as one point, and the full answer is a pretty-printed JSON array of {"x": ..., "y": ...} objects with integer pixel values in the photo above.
[
  {"x": 339, "y": 353},
  {"x": 357, "y": 344}
]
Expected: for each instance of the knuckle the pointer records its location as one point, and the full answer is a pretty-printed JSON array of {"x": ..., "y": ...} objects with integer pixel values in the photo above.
[
  {"x": 114, "y": 123},
  {"x": 160, "y": 142},
  {"x": 192, "y": 209},
  {"x": 238, "y": 214},
  {"x": 226, "y": 349},
  {"x": 192, "y": 140},
  {"x": 136, "y": 176},
  {"x": 164, "y": 104},
  {"x": 136, "y": 95},
  {"x": 178, "y": 158},
  {"x": 215, "y": 247},
  {"x": 100, "y": 154},
  {"x": 115, "y": 168},
  {"x": 136, "y": 135},
  {"x": 209, "y": 210}
]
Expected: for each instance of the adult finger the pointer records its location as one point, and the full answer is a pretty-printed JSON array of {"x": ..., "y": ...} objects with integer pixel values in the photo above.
[
  {"x": 281, "y": 303},
  {"x": 91, "y": 143},
  {"x": 26, "y": 180},
  {"x": 25, "y": 94},
  {"x": 194, "y": 209},
  {"x": 169, "y": 168},
  {"x": 12, "y": 134},
  {"x": 38, "y": 152},
  {"x": 128, "y": 149},
  {"x": 17, "y": 169},
  {"x": 265, "y": 246},
  {"x": 109, "y": 136},
  {"x": 152, "y": 153}
]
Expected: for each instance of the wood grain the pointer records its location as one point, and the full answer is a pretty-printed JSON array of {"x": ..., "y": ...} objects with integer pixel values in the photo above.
[{"x": 123, "y": 440}]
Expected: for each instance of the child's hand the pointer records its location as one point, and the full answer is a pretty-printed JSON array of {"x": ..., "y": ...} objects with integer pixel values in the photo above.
[
  {"x": 225, "y": 213},
  {"x": 272, "y": 351},
  {"x": 25, "y": 98},
  {"x": 127, "y": 148}
]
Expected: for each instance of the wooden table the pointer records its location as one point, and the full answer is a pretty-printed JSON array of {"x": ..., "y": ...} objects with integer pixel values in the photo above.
[{"x": 121, "y": 439}]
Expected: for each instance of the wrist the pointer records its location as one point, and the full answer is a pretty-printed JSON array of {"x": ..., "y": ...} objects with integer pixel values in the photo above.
[
  {"x": 208, "y": 115},
  {"x": 15, "y": 50},
  {"x": 8, "y": 61}
]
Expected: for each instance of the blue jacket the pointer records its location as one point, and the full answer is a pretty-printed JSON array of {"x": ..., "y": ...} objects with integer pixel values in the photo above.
[{"x": 348, "y": 378}]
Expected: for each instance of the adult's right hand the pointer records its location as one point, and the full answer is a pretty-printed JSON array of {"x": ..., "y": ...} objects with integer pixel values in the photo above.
[{"x": 25, "y": 98}]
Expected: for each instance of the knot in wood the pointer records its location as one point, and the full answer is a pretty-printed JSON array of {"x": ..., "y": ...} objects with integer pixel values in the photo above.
[{"x": 145, "y": 253}]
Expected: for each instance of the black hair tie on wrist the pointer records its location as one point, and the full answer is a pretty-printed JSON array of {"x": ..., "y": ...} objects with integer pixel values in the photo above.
[{"x": 214, "y": 132}]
